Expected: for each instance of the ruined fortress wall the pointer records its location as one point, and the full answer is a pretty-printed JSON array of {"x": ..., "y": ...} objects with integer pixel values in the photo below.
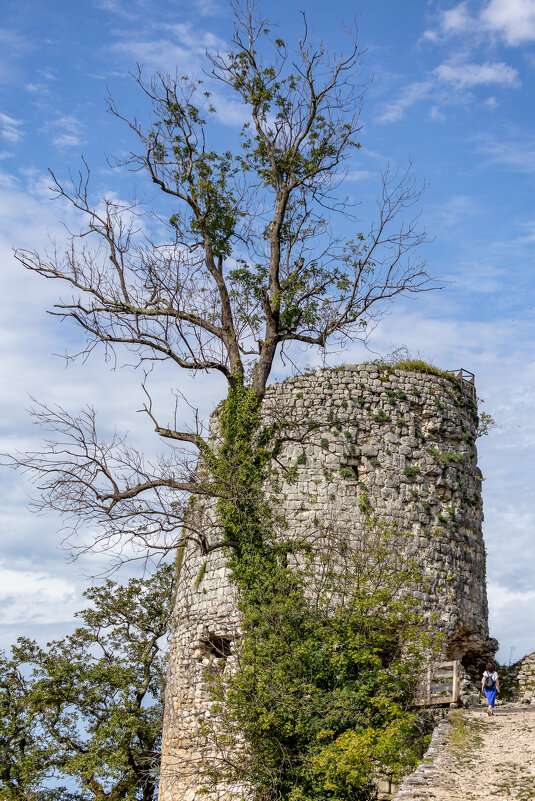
[
  {"x": 526, "y": 677},
  {"x": 408, "y": 440}
]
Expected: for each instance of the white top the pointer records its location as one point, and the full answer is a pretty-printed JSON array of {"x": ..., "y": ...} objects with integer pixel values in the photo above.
[{"x": 494, "y": 676}]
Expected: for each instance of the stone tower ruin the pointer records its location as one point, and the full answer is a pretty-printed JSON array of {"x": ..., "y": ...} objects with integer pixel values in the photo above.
[{"x": 404, "y": 436}]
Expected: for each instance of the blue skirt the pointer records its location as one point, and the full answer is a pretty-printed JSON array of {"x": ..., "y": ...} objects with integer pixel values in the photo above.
[{"x": 491, "y": 696}]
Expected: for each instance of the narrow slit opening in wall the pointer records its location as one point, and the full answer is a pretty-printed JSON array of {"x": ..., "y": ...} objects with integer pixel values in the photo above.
[{"x": 219, "y": 647}]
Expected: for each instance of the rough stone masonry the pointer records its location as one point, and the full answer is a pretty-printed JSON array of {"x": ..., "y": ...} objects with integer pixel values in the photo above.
[{"x": 404, "y": 437}]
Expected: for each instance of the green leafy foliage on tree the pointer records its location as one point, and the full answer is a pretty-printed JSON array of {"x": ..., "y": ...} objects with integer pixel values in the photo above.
[
  {"x": 87, "y": 709},
  {"x": 25, "y": 758}
]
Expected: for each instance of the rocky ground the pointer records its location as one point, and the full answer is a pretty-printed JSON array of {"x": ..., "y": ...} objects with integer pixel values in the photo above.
[{"x": 477, "y": 757}]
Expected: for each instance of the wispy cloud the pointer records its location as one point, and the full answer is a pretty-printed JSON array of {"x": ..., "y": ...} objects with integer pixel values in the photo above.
[
  {"x": 179, "y": 46},
  {"x": 40, "y": 89},
  {"x": 465, "y": 76},
  {"x": 436, "y": 114},
  {"x": 10, "y": 128},
  {"x": 453, "y": 211},
  {"x": 66, "y": 131},
  {"x": 207, "y": 8},
  {"x": 414, "y": 93},
  {"x": 491, "y": 103},
  {"x": 515, "y": 152},
  {"x": 48, "y": 73},
  {"x": 181, "y": 49},
  {"x": 118, "y": 8},
  {"x": 528, "y": 237},
  {"x": 142, "y": 10},
  {"x": 13, "y": 47},
  {"x": 360, "y": 175},
  {"x": 449, "y": 84}
]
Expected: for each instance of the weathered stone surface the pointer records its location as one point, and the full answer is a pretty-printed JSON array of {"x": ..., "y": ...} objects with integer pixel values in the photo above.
[
  {"x": 526, "y": 678},
  {"x": 407, "y": 439}
]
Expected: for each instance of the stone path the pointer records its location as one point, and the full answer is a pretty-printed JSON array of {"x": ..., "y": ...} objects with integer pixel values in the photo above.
[{"x": 477, "y": 758}]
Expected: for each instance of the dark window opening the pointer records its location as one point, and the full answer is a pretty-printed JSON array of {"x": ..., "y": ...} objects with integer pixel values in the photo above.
[
  {"x": 219, "y": 647},
  {"x": 351, "y": 466}
]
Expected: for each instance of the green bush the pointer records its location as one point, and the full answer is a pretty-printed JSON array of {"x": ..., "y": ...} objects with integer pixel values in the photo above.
[{"x": 322, "y": 695}]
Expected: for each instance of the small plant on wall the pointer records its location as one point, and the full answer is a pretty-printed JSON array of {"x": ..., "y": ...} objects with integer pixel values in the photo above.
[{"x": 411, "y": 470}]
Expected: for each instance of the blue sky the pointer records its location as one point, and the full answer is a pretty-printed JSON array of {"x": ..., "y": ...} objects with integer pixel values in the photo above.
[{"x": 452, "y": 90}]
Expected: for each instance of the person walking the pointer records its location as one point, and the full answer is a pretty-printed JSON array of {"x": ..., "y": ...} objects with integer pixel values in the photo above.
[{"x": 490, "y": 685}]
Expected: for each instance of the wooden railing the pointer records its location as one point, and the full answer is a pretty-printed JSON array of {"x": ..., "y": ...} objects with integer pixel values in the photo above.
[
  {"x": 466, "y": 378},
  {"x": 441, "y": 685}
]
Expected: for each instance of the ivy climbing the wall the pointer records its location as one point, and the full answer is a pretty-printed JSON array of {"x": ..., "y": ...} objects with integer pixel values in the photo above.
[{"x": 316, "y": 704}]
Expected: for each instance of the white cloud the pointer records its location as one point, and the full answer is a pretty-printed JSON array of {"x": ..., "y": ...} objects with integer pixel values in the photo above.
[
  {"x": 436, "y": 115},
  {"x": 456, "y": 19},
  {"x": 465, "y": 76},
  {"x": 451, "y": 212},
  {"x": 452, "y": 21},
  {"x": 392, "y": 112},
  {"x": 38, "y": 89},
  {"x": 529, "y": 237},
  {"x": 66, "y": 131},
  {"x": 29, "y": 597},
  {"x": 182, "y": 48},
  {"x": 194, "y": 40},
  {"x": 119, "y": 8},
  {"x": 66, "y": 140},
  {"x": 48, "y": 73},
  {"x": 491, "y": 103},
  {"x": 512, "y": 19},
  {"x": 13, "y": 48},
  {"x": 516, "y": 153},
  {"x": 207, "y": 8},
  {"x": 360, "y": 175},
  {"x": 459, "y": 76},
  {"x": 511, "y": 611},
  {"x": 155, "y": 54},
  {"x": 10, "y": 128}
]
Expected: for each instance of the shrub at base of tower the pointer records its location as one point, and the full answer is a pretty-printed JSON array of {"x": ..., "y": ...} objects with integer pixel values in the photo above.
[{"x": 317, "y": 704}]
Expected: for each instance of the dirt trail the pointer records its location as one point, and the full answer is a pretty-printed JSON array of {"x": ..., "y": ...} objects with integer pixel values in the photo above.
[{"x": 483, "y": 759}]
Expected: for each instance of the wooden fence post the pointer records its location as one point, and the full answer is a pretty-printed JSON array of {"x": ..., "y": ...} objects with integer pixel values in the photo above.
[{"x": 456, "y": 684}]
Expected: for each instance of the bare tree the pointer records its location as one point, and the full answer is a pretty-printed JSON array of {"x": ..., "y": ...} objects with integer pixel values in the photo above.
[{"x": 248, "y": 266}]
